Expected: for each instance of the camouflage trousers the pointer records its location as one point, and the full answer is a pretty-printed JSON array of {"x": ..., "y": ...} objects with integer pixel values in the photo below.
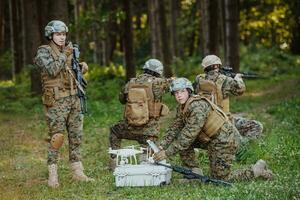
[
  {"x": 65, "y": 114},
  {"x": 248, "y": 129},
  {"x": 221, "y": 152},
  {"x": 122, "y": 130}
]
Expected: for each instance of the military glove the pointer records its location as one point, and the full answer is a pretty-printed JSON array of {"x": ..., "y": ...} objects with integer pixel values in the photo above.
[
  {"x": 161, "y": 155},
  {"x": 84, "y": 67}
]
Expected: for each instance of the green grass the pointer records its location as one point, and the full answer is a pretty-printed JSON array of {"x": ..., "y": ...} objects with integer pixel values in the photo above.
[{"x": 23, "y": 172}]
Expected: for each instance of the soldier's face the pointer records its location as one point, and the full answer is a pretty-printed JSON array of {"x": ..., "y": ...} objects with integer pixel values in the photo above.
[
  {"x": 59, "y": 38},
  {"x": 181, "y": 96}
]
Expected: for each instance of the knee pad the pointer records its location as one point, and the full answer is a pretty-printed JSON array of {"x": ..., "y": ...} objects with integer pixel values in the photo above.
[{"x": 57, "y": 140}]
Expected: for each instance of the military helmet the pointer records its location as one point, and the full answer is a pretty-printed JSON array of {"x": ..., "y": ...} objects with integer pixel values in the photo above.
[
  {"x": 181, "y": 83},
  {"x": 211, "y": 60},
  {"x": 55, "y": 26},
  {"x": 154, "y": 65}
]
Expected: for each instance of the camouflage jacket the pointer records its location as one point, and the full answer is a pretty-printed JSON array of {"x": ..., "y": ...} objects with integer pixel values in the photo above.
[
  {"x": 159, "y": 87},
  {"x": 230, "y": 85},
  {"x": 186, "y": 127},
  {"x": 46, "y": 63}
]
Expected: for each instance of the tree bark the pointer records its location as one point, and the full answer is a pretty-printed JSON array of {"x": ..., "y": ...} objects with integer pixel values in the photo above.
[
  {"x": 295, "y": 8},
  {"x": 33, "y": 40},
  {"x": 12, "y": 15},
  {"x": 58, "y": 10},
  {"x": 232, "y": 34},
  {"x": 128, "y": 41},
  {"x": 154, "y": 29},
  {"x": 164, "y": 38},
  {"x": 2, "y": 23},
  {"x": 210, "y": 27},
  {"x": 174, "y": 38}
]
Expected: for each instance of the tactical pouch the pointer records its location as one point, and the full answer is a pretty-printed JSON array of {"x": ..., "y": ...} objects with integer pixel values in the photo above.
[
  {"x": 164, "y": 110},
  {"x": 48, "y": 98}
]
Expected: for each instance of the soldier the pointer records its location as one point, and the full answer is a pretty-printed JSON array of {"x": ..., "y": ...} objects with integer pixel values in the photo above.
[
  {"x": 142, "y": 97},
  {"x": 200, "y": 123},
  {"x": 217, "y": 87},
  {"x": 60, "y": 100}
]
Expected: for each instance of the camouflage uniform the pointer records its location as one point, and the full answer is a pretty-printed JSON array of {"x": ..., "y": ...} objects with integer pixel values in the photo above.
[
  {"x": 122, "y": 130},
  {"x": 249, "y": 129},
  {"x": 61, "y": 104},
  {"x": 182, "y": 137}
]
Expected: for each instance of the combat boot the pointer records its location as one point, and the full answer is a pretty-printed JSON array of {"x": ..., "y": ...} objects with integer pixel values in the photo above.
[
  {"x": 78, "y": 173},
  {"x": 53, "y": 177},
  {"x": 260, "y": 170}
]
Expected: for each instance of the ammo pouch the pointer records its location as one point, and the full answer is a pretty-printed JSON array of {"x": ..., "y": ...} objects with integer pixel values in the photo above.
[
  {"x": 157, "y": 109},
  {"x": 48, "y": 97},
  {"x": 214, "y": 122}
]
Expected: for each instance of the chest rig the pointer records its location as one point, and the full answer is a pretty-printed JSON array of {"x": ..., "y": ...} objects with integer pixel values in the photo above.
[
  {"x": 63, "y": 84},
  {"x": 214, "y": 122}
]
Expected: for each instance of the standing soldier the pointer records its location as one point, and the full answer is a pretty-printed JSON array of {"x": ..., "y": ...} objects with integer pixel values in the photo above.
[
  {"x": 61, "y": 103},
  {"x": 217, "y": 87},
  {"x": 200, "y": 123},
  {"x": 142, "y": 97}
]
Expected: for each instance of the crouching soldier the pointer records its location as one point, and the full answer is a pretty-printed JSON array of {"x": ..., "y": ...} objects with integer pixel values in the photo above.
[
  {"x": 61, "y": 103},
  {"x": 218, "y": 87},
  {"x": 142, "y": 97},
  {"x": 201, "y": 124}
]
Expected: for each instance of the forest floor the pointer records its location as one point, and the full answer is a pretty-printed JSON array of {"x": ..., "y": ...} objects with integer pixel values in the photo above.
[{"x": 274, "y": 101}]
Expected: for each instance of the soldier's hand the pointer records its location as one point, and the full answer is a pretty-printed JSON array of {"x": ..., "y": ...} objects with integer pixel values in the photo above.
[
  {"x": 68, "y": 51},
  {"x": 84, "y": 67},
  {"x": 161, "y": 155},
  {"x": 238, "y": 76}
]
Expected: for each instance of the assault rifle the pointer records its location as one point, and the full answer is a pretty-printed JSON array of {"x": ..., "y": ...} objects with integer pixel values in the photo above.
[
  {"x": 228, "y": 71},
  {"x": 80, "y": 81},
  {"x": 191, "y": 175}
]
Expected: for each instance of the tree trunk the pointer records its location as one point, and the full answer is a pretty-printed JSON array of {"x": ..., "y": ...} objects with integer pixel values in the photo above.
[
  {"x": 221, "y": 9},
  {"x": 12, "y": 15},
  {"x": 18, "y": 39},
  {"x": 295, "y": 7},
  {"x": 128, "y": 41},
  {"x": 210, "y": 27},
  {"x": 58, "y": 10},
  {"x": 164, "y": 38},
  {"x": 2, "y": 23},
  {"x": 43, "y": 17},
  {"x": 33, "y": 40},
  {"x": 232, "y": 34},
  {"x": 174, "y": 37},
  {"x": 153, "y": 19},
  {"x": 76, "y": 16}
]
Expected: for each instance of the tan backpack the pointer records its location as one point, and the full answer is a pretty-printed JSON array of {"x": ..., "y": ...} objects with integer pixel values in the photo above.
[{"x": 137, "y": 106}]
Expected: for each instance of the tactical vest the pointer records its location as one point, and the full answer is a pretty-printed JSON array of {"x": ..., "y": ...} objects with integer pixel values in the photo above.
[
  {"x": 60, "y": 86},
  {"x": 213, "y": 91},
  {"x": 141, "y": 104},
  {"x": 214, "y": 122}
]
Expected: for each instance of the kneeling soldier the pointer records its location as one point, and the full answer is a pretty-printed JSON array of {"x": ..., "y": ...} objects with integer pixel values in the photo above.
[
  {"x": 142, "y": 97},
  {"x": 200, "y": 123}
]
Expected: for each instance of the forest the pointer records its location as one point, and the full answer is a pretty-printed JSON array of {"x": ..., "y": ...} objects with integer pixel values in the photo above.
[{"x": 116, "y": 38}]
